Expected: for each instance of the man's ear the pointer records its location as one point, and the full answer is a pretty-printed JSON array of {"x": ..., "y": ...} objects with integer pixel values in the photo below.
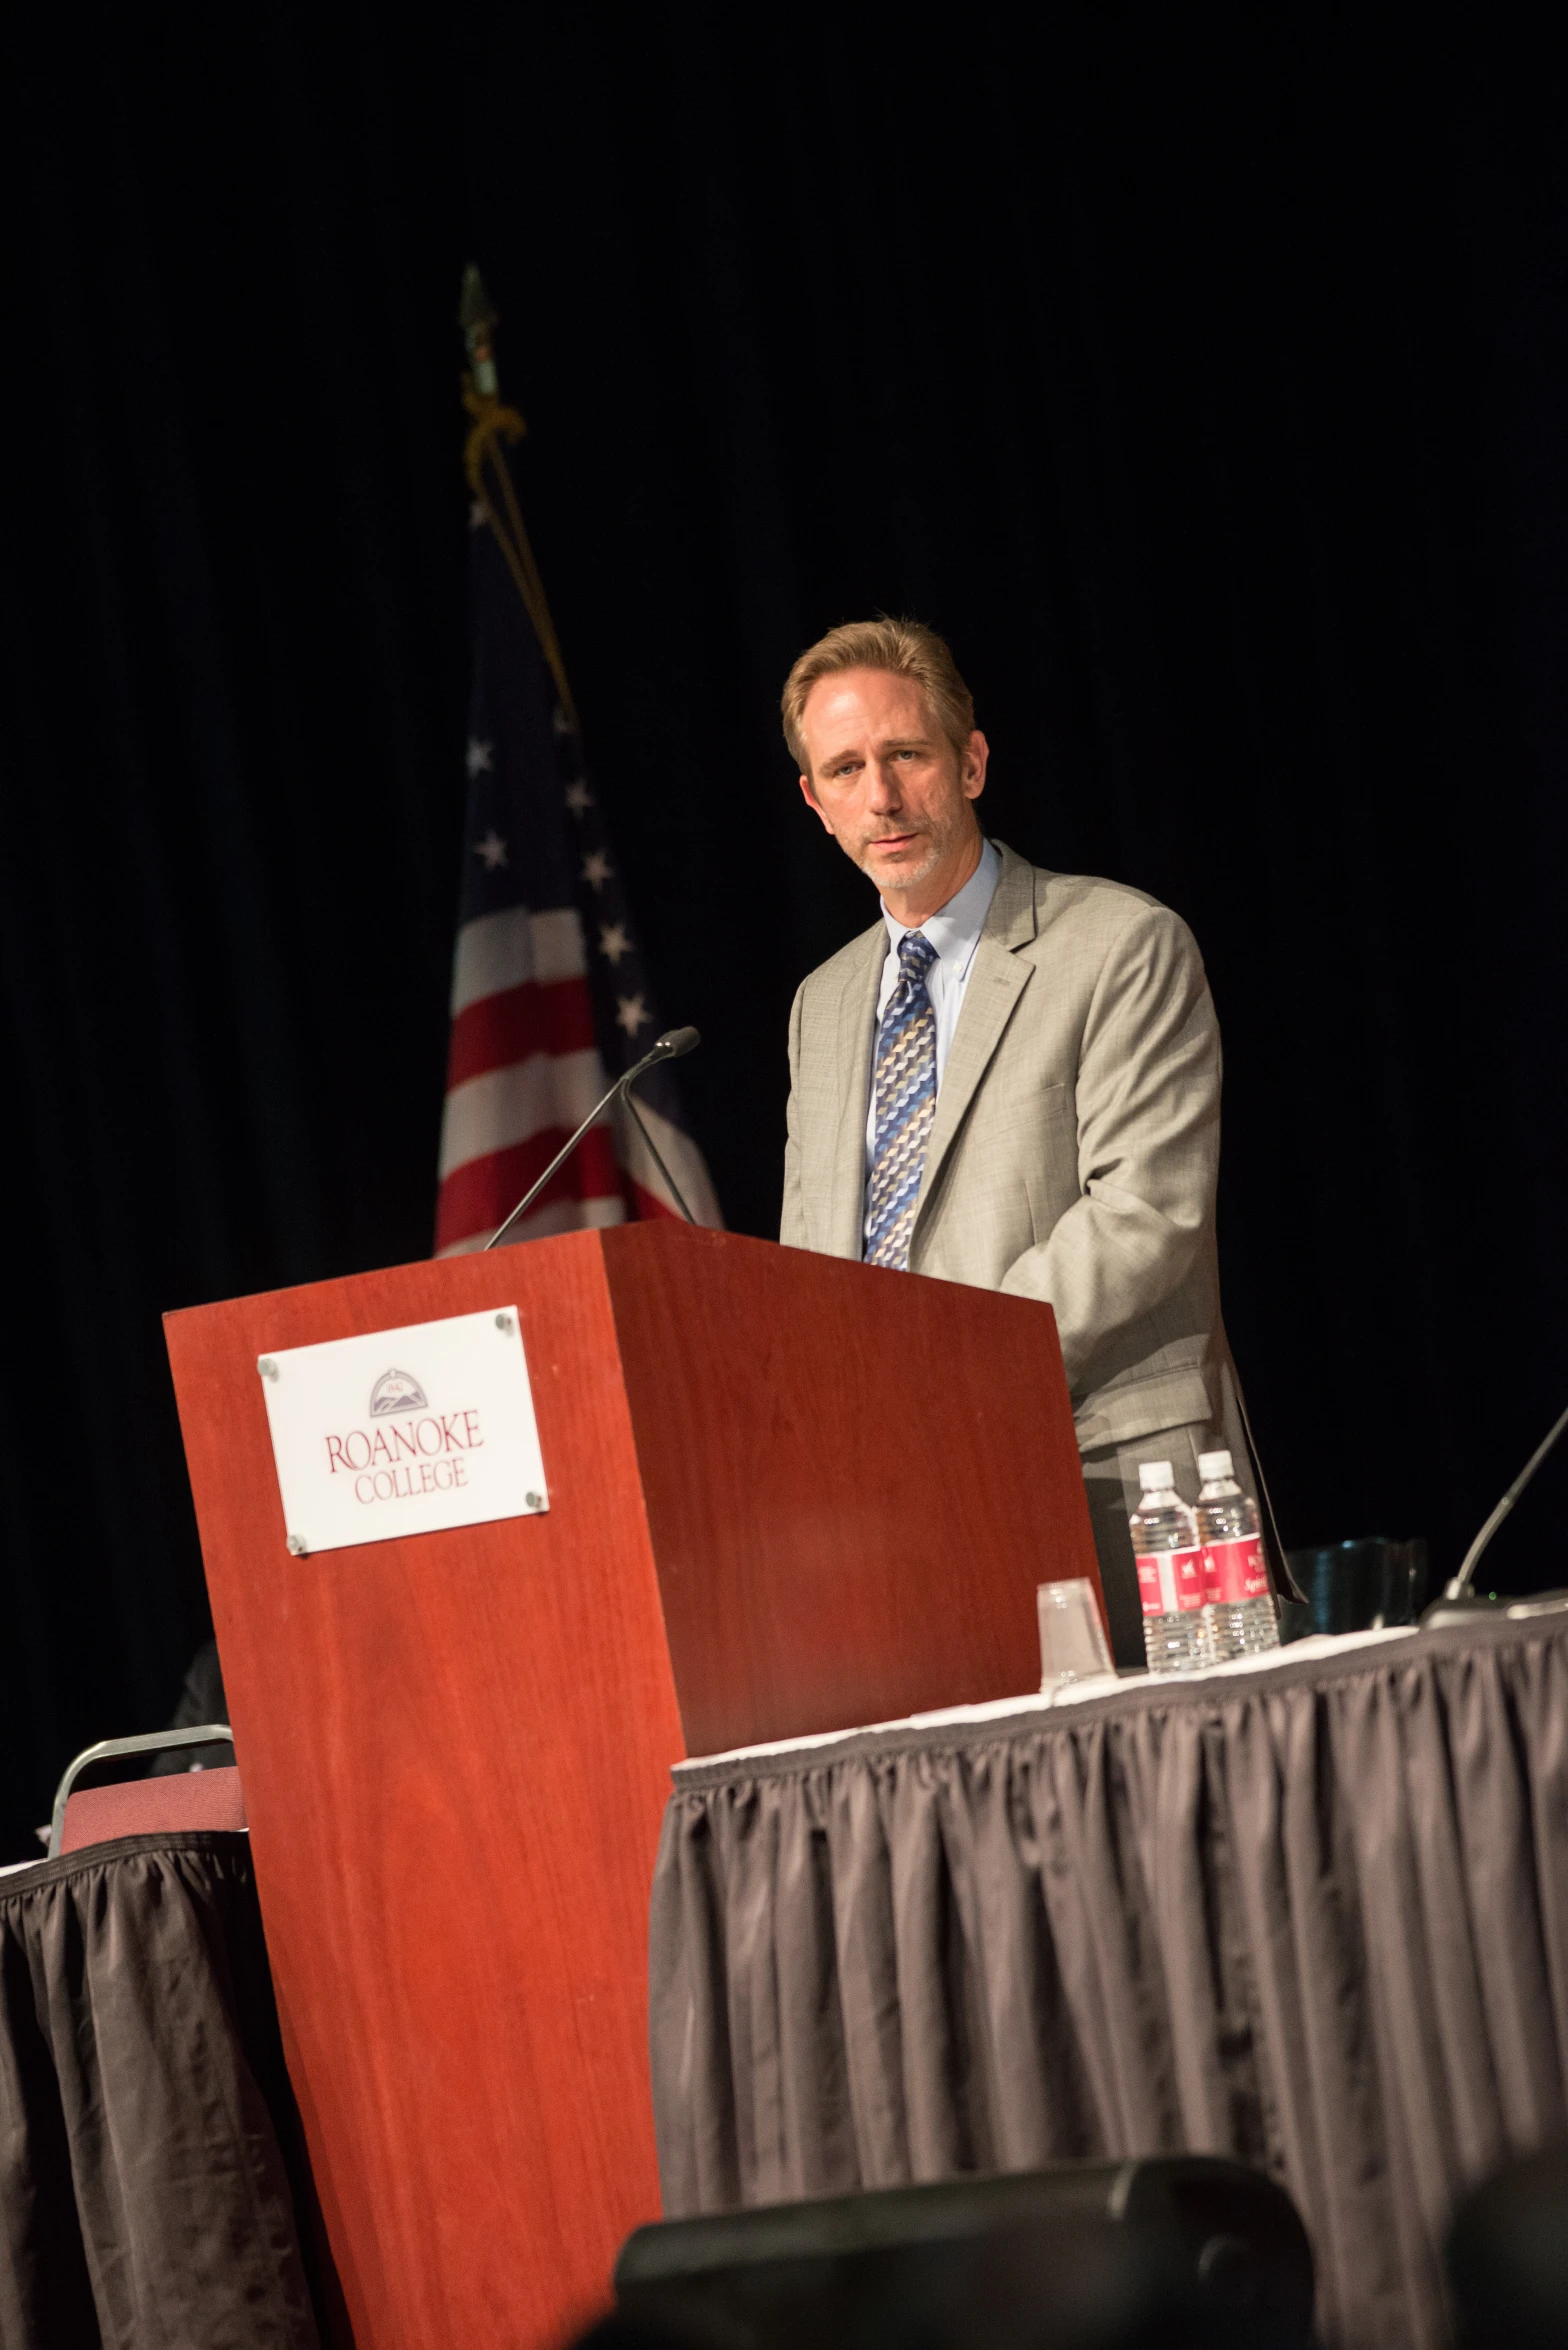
[
  {"x": 812, "y": 802},
  {"x": 977, "y": 752}
]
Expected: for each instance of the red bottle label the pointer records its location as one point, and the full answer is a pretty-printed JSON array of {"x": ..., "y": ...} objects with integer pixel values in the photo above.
[
  {"x": 1234, "y": 1571},
  {"x": 1170, "y": 1582}
]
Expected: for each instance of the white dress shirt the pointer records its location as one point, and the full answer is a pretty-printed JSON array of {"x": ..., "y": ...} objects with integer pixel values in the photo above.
[{"x": 954, "y": 930}]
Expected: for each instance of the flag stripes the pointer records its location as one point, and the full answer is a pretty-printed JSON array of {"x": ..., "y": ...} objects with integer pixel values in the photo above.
[
  {"x": 504, "y": 1107},
  {"x": 477, "y": 1196},
  {"x": 504, "y": 1029},
  {"x": 496, "y": 952}
]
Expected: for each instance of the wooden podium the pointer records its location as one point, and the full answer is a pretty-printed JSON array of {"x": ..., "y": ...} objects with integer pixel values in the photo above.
[{"x": 787, "y": 1493}]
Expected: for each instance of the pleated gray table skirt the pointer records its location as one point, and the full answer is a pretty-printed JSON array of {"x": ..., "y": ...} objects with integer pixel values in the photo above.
[
  {"x": 1314, "y": 1916},
  {"x": 146, "y": 2127}
]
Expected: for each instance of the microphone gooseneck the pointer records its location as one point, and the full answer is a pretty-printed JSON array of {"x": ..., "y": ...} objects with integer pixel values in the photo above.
[
  {"x": 1459, "y": 1587},
  {"x": 671, "y": 1046}
]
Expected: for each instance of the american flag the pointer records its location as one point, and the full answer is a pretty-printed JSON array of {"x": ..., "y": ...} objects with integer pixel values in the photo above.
[{"x": 550, "y": 996}]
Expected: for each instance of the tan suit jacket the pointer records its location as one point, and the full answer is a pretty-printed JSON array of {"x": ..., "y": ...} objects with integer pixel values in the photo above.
[{"x": 1076, "y": 1142}]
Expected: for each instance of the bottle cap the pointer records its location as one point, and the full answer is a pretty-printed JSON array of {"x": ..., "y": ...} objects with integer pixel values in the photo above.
[
  {"x": 1155, "y": 1474},
  {"x": 1212, "y": 1466}
]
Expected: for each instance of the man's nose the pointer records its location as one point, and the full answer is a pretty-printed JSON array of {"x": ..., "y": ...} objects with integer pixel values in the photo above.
[{"x": 884, "y": 785}]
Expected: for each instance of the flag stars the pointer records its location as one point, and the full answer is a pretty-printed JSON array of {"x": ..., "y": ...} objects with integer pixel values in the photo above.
[
  {"x": 614, "y": 942},
  {"x": 481, "y": 757},
  {"x": 578, "y": 797},
  {"x": 597, "y": 869},
  {"x": 493, "y": 850},
  {"x": 631, "y": 1013}
]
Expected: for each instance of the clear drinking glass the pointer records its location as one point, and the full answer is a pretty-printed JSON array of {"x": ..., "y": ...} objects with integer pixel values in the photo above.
[{"x": 1072, "y": 1637}]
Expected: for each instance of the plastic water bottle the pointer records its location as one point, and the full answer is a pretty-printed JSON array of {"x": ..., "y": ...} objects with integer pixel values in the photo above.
[
  {"x": 1238, "y": 1604},
  {"x": 1170, "y": 1574}
]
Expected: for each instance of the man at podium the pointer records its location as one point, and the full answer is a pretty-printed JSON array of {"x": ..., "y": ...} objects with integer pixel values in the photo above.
[{"x": 1012, "y": 1079}]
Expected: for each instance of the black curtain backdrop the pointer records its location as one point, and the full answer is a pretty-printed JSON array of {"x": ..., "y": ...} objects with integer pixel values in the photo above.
[{"x": 1206, "y": 380}]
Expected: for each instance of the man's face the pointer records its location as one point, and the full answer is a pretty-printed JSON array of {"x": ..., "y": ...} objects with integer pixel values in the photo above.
[{"x": 890, "y": 787}]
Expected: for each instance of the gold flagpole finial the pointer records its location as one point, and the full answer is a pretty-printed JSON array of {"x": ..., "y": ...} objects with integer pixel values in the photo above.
[{"x": 477, "y": 315}]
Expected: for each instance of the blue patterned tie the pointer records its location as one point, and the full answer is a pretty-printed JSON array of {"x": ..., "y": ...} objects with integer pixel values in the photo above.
[{"x": 906, "y": 1104}]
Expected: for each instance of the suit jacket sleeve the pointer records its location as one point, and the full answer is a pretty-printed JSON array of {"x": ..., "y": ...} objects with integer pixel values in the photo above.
[
  {"x": 1148, "y": 1110},
  {"x": 792, "y": 1224}
]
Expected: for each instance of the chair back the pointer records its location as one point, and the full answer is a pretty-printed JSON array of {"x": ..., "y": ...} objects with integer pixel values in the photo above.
[{"x": 144, "y": 1807}]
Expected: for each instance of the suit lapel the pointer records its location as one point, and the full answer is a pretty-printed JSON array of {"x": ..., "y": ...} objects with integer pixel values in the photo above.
[
  {"x": 857, "y": 1012},
  {"x": 997, "y": 978}
]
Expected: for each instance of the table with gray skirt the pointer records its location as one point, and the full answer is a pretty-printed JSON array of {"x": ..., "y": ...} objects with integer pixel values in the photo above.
[
  {"x": 154, "y": 2190},
  {"x": 1312, "y": 1913}
]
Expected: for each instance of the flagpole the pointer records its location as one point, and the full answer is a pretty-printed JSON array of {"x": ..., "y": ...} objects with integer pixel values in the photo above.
[
  {"x": 490, "y": 476},
  {"x": 538, "y": 853}
]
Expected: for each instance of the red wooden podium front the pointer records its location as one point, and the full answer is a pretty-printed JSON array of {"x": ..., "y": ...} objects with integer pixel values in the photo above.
[{"x": 787, "y": 1493}]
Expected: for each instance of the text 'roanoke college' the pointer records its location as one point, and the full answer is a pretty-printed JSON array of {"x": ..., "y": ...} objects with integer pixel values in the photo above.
[{"x": 408, "y": 1457}]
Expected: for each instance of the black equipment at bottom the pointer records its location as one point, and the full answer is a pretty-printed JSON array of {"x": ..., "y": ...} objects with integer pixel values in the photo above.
[
  {"x": 1508, "y": 2257},
  {"x": 1092, "y": 2255}
]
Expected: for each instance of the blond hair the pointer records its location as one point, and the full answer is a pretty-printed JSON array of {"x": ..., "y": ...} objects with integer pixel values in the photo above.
[{"x": 904, "y": 648}]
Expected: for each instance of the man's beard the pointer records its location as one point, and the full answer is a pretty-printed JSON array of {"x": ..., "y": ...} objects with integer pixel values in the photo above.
[{"x": 938, "y": 838}]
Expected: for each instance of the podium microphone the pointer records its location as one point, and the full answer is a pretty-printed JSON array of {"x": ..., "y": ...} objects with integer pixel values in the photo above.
[{"x": 670, "y": 1047}]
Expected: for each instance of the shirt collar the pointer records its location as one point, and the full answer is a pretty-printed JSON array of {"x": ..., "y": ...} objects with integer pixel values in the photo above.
[{"x": 954, "y": 929}]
